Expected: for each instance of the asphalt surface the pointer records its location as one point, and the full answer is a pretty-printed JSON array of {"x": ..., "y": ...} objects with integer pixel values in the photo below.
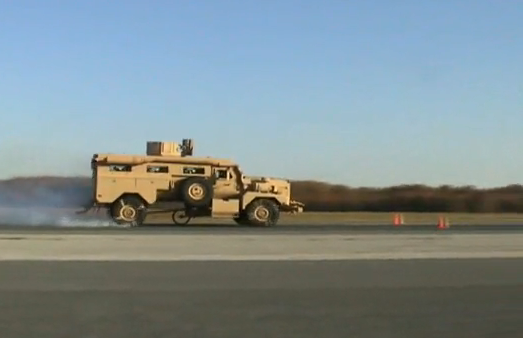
[
  {"x": 379, "y": 299},
  {"x": 250, "y": 247},
  {"x": 276, "y": 230}
]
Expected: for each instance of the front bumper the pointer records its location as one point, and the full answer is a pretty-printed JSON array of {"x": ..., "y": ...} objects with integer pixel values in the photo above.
[{"x": 294, "y": 207}]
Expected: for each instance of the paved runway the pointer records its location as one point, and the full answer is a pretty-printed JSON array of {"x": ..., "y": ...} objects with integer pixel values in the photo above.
[
  {"x": 169, "y": 229},
  {"x": 375, "y": 299},
  {"x": 205, "y": 247},
  {"x": 300, "y": 281}
]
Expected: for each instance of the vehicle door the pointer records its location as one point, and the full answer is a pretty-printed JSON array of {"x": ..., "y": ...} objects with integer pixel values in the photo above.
[{"x": 225, "y": 183}]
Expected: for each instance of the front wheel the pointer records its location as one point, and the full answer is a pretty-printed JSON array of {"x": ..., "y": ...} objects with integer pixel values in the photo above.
[
  {"x": 262, "y": 212},
  {"x": 129, "y": 211}
]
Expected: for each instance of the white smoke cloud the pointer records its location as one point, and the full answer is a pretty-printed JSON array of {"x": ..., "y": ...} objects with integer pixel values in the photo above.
[
  {"x": 28, "y": 202},
  {"x": 49, "y": 217}
]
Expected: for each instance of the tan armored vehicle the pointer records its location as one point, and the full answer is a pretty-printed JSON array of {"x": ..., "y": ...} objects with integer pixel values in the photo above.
[{"x": 169, "y": 175}]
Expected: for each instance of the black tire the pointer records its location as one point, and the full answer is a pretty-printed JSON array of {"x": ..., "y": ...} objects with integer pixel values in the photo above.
[
  {"x": 129, "y": 211},
  {"x": 262, "y": 212},
  {"x": 180, "y": 217},
  {"x": 197, "y": 192}
]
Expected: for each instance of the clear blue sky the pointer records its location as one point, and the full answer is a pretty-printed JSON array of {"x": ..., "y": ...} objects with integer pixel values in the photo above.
[{"x": 365, "y": 93}]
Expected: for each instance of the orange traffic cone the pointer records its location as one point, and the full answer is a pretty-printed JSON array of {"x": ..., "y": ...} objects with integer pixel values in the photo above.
[
  {"x": 398, "y": 219},
  {"x": 442, "y": 223}
]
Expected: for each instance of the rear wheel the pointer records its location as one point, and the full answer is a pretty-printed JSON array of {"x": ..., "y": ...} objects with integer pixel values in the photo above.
[
  {"x": 129, "y": 211},
  {"x": 262, "y": 212}
]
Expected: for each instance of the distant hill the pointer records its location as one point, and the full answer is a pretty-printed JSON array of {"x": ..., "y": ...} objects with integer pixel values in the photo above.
[{"x": 53, "y": 191}]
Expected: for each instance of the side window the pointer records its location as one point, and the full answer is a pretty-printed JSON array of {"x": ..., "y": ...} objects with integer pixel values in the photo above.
[
  {"x": 120, "y": 168},
  {"x": 158, "y": 169},
  {"x": 194, "y": 171},
  {"x": 222, "y": 174}
]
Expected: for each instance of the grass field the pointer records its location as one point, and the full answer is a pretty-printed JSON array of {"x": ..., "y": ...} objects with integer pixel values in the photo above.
[{"x": 318, "y": 218}]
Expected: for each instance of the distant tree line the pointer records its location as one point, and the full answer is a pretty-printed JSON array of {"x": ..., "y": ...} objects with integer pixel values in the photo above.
[
  {"x": 416, "y": 198},
  {"x": 317, "y": 196}
]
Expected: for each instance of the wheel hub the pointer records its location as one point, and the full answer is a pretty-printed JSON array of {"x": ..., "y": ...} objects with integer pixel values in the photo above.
[
  {"x": 261, "y": 213},
  {"x": 128, "y": 213},
  {"x": 196, "y": 191}
]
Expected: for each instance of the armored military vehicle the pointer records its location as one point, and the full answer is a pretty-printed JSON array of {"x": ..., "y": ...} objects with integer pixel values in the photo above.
[{"x": 169, "y": 177}]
